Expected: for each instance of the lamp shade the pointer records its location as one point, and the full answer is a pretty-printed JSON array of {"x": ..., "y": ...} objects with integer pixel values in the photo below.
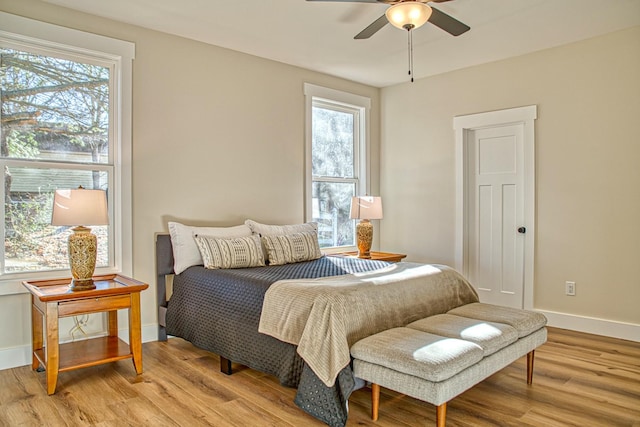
[
  {"x": 366, "y": 207},
  {"x": 408, "y": 15},
  {"x": 80, "y": 207}
]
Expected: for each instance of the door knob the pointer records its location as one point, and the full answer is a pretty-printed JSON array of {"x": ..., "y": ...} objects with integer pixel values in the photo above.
[{"x": 522, "y": 230}]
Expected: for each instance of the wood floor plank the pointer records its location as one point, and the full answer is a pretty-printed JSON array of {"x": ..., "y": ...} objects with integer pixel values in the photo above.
[
  {"x": 579, "y": 380},
  {"x": 265, "y": 392},
  {"x": 140, "y": 411},
  {"x": 184, "y": 404},
  {"x": 18, "y": 384},
  {"x": 241, "y": 413},
  {"x": 36, "y": 411},
  {"x": 84, "y": 396}
]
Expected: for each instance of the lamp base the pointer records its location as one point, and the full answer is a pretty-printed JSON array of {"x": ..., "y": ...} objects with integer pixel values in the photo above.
[
  {"x": 82, "y": 258},
  {"x": 82, "y": 285},
  {"x": 364, "y": 231}
]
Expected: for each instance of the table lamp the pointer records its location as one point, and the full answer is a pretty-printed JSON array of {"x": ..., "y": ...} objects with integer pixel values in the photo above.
[
  {"x": 365, "y": 208},
  {"x": 78, "y": 208}
]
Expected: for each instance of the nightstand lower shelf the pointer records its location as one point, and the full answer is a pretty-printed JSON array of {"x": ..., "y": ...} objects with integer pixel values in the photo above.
[{"x": 88, "y": 352}]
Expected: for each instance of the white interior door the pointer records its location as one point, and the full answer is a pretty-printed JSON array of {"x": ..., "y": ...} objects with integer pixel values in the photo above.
[
  {"x": 496, "y": 215},
  {"x": 495, "y": 204}
]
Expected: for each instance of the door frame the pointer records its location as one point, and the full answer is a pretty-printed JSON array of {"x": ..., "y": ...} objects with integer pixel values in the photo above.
[{"x": 462, "y": 126}]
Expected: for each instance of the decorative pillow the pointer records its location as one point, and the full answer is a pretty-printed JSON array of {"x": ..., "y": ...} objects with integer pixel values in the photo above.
[
  {"x": 291, "y": 248},
  {"x": 185, "y": 249},
  {"x": 277, "y": 230},
  {"x": 237, "y": 252}
]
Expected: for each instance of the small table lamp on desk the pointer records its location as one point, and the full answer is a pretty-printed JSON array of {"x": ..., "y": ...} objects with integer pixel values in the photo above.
[{"x": 365, "y": 208}]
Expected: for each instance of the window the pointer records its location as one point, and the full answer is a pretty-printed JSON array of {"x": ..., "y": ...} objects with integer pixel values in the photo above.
[
  {"x": 65, "y": 123},
  {"x": 336, "y": 161}
]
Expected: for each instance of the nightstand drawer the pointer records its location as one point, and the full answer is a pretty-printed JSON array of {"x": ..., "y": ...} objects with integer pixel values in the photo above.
[{"x": 97, "y": 304}]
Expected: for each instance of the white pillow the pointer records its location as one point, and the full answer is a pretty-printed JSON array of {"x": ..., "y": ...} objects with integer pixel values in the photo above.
[
  {"x": 274, "y": 230},
  {"x": 237, "y": 252},
  {"x": 278, "y": 230},
  {"x": 291, "y": 248},
  {"x": 185, "y": 249}
]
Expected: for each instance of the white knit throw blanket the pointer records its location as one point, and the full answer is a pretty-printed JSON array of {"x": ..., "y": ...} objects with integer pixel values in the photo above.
[{"x": 325, "y": 316}]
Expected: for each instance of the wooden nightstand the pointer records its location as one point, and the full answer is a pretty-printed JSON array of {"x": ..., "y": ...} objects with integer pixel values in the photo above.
[
  {"x": 52, "y": 299},
  {"x": 379, "y": 256}
]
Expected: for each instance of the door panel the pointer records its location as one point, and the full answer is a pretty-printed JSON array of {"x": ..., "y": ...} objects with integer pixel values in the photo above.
[
  {"x": 511, "y": 282},
  {"x": 495, "y": 211},
  {"x": 484, "y": 244}
]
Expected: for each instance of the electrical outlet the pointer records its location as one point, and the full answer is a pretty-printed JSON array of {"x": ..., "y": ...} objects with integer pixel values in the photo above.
[{"x": 570, "y": 288}]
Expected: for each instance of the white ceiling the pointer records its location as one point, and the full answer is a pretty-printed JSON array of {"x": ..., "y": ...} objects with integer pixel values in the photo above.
[{"x": 319, "y": 36}]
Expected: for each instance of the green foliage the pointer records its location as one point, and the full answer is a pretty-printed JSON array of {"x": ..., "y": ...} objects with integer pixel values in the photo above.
[
  {"x": 25, "y": 221},
  {"x": 22, "y": 144}
]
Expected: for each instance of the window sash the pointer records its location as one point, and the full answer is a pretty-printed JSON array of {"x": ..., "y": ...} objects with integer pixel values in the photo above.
[
  {"x": 36, "y": 164},
  {"x": 355, "y": 113}
]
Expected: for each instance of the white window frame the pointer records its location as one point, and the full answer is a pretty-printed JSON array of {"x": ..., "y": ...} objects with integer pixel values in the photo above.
[
  {"x": 336, "y": 99},
  {"x": 31, "y": 35}
]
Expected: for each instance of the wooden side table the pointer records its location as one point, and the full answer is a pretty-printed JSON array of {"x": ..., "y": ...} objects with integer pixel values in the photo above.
[
  {"x": 52, "y": 299},
  {"x": 379, "y": 256}
]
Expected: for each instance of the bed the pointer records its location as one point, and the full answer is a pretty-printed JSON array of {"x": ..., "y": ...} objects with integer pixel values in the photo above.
[{"x": 220, "y": 311}]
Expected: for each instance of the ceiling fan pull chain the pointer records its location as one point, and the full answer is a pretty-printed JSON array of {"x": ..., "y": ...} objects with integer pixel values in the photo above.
[{"x": 410, "y": 39}]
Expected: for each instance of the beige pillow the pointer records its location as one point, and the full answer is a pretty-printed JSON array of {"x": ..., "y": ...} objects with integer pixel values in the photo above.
[
  {"x": 291, "y": 248},
  {"x": 185, "y": 249},
  {"x": 238, "y": 252}
]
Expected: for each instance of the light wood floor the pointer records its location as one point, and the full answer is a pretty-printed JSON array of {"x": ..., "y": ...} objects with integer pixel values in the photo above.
[{"x": 579, "y": 380}]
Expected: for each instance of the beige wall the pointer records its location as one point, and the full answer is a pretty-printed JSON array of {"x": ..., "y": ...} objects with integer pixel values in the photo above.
[
  {"x": 218, "y": 137},
  {"x": 587, "y": 167}
]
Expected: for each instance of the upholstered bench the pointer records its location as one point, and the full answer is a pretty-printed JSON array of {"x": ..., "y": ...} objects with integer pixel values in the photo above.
[{"x": 437, "y": 358}]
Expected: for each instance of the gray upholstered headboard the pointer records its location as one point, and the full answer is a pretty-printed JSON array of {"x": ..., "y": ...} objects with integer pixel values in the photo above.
[{"x": 164, "y": 267}]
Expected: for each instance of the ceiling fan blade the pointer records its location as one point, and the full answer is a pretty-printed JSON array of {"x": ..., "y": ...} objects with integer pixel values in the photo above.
[
  {"x": 373, "y": 28},
  {"x": 448, "y": 23}
]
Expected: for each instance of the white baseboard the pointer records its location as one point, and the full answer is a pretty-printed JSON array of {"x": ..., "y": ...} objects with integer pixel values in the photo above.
[
  {"x": 149, "y": 333},
  {"x": 21, "y": 356},
  {"x": 15, "y": 356},
  {"x": 590, "y": 325}
]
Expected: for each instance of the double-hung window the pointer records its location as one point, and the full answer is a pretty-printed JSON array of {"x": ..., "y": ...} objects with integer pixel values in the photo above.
[
  {"x": 337, "y": 160},
  {"x": 65, "y": 115}
]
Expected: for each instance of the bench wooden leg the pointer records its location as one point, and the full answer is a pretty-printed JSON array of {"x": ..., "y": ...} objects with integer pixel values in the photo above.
[
  {"x": 375, "y": 401},
  {"x": 441, "y": 415},
  {"x": 530, "y": 367}
]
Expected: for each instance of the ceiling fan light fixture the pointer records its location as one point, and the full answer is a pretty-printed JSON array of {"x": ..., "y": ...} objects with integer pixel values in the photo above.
[{"x": 408, "y": 15}]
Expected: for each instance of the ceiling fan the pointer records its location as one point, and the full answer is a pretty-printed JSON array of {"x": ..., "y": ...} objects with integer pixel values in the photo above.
[{"x": 437, "y": 18}]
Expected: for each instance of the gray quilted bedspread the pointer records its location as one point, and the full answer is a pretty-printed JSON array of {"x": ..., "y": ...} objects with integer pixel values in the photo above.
[{"x": 219, "y": 311}]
